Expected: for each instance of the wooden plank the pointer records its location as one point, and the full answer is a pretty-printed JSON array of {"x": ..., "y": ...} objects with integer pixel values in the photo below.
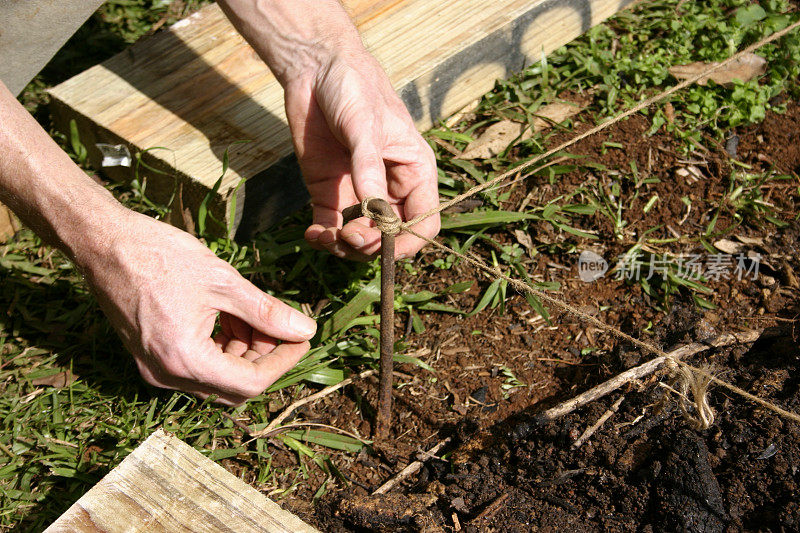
[
  {"x": 8, "y": 224},
  {"x": 166, "y": 485},
  {"x": 198, "y": 87}
]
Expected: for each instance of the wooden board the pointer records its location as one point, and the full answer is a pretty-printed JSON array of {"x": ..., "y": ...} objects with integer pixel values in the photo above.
[
  {"x": 8, "y": 224},
  {"x": 198, "y": 87},
  {"x": 166, "y": 485}
]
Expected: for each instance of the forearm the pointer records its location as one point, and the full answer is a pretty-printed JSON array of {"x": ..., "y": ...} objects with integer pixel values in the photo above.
[
  {"x": 51, "y": 194},
  {"x": 294, "y": 37}
]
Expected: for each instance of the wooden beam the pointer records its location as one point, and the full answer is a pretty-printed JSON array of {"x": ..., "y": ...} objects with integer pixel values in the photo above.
[
  {"x": 166, "y": 485},
  {"x": 197, "y": 87},
  {"x": 8, "y": 224}
]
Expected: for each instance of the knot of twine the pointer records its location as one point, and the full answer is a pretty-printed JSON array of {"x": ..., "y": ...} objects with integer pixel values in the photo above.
[
  {"x": 388, "y": 223},
  {"x": 692, "y": 391}
]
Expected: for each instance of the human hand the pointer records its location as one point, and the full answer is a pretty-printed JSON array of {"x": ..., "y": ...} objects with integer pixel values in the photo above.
[
  {"x": 352, "y": 134},
  {"x": 162, "y": 290},
  {"x": 355, "y": 139}
]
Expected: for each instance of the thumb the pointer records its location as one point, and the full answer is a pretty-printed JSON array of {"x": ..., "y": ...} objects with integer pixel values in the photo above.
[
  {"x": 265, "y": 313},
  {"x": 368, "y": 168}
]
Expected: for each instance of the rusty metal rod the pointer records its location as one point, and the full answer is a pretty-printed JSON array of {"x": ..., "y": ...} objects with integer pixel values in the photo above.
[{"x": 380, "y": 211}]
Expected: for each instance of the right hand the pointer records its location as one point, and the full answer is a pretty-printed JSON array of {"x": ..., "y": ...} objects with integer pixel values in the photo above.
[{"x": 354, "y": 139}]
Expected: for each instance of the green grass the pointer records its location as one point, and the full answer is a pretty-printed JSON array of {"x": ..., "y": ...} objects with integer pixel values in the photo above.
[
  {"x": 620, "y": 63},
  {"x": 55, "y": 443}
]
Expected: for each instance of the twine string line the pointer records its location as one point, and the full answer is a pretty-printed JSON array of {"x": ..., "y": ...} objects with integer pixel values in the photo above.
[
  {"x": 393, "y": 225},
  {"x": 600, "y": 127},
  {"x": 387, "y": 222},
  {"x": 587, "y": 318}
]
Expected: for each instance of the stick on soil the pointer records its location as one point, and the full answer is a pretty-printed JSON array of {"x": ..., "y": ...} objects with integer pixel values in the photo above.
[
  {"x": 303, "y": 401},
  {"x": 643, "y": 370}
]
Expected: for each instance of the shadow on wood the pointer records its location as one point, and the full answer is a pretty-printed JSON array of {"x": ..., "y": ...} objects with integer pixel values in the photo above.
[{"x": 198, "y": 87}]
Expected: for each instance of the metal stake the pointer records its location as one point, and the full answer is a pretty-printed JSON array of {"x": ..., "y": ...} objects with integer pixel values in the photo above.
[{"x": 380, "y": 210}]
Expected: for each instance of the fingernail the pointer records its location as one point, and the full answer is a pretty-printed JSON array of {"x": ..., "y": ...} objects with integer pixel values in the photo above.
[
  {"x": 326, "y": 237},
  {"x": 401, "y": 256},
  {"x": 355, "y": 239},
  {"x": 302, "y": 325},
  {"x": 337, "y": 250}
]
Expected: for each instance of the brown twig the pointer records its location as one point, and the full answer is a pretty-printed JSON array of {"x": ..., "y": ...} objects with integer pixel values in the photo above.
[
  {"x": 303, "y": 401},
  {"x": 238, "y": 423},
  {"x": 600, "y": 421},
  {"x": 643, "y": 370},
  {"x": 387, "y": 221},
  {"x": 491, "y": 509},
  {"x": 412, "y": 468}
]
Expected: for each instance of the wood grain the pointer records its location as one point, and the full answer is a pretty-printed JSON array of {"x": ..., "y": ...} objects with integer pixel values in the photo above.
[
  {"x": 197, "y": 87},
  {"x": 8, "y": 223},
  {"x": 166, "y": 485}
]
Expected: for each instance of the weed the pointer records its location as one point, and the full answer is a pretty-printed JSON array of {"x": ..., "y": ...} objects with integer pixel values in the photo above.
[
  {"x": 746, "y": 197},
  {"x": 58, "y": 441},
  {"x": 510, "y": 382}
]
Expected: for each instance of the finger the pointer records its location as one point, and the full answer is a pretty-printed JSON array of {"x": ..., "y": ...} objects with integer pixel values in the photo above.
[
  {"x": 163, "y": 381},
  {"x": 242, "y": 333},
  {"x": 361, "y": 237},
  {"x": 241, "y": 330},
  {"x": 230, "y": 375},
  {"x": 203, "y": 393},
  {"x": 312, "y": 236},
  {"x": 327, "y": 217},
  {"x": 263, "y": 312},
  {"x": 236, "y": 347},
  {"x": 262, "y": 343},
  {"x": 419, "y": 201},
  {"x": 324, "y": 217},
  {"x": 369, "y": 170},
  {"x": 406, "y": 245},
  {"x": 333, "y": 242},
  {"x": 225, "y": 324},
  {"x": 252, "y": 355},
  {"x": 282, "y": 359},
  {"x": 221, "y": 340}
]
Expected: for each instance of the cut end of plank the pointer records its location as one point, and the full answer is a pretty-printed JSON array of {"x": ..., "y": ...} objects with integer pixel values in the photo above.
[{"x": 166, "y": 485}]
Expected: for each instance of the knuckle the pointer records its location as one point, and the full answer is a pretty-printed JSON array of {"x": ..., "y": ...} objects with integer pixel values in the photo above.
[
  {"x": 221, "y": 278},
  {"x": 251, "y": 390},
  {"x": 267, "y": 308}
]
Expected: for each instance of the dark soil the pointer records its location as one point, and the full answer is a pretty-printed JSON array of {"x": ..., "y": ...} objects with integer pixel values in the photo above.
[{"x": 646, "y": 468}]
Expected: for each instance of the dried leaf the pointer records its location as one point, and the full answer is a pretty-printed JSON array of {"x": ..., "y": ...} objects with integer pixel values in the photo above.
[
  {"x": 753, "y": 241},
  {"x": 464, "y": 206},
  {"x": 690, "y": 173},
  {"x": 524, "y": 239},
  {"x": 493, "y": 141},
  {"x": 728, "y": 247},
  {"x": 496, "y": 138},
  {"x": 555, "y": 113},
  {"x": 60, "y": 380},
  {"x": 744, "y": 69},
  {"x": 181, "y": 216},
  {"x": 669, "y": 112}
]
